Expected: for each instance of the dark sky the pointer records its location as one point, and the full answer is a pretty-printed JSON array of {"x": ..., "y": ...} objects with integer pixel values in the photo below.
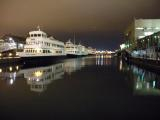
[{"x": 98, "y": 23}]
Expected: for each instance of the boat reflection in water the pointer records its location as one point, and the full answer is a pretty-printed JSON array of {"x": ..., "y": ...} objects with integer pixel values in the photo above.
[
  {"x": 145, "y": 82},
  {"x": 39, "y": 77},
  {"x": 9, "y": 74},
  {"x": 72, "y": 65}
]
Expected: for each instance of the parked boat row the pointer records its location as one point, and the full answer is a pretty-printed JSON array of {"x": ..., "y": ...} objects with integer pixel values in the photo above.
[{"x": 38, "y": 44}]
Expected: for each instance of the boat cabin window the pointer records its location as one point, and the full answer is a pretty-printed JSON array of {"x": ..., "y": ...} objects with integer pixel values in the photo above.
[
  {"x": 31, "y": 35},
  {"x": 35, "y": 35},
  {"x": 39, "y": 35}
]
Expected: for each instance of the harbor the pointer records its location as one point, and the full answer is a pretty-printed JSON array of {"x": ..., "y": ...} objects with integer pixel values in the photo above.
[
  {"x": 38, "y": 46},
  {"x": 79, "y": 59}
]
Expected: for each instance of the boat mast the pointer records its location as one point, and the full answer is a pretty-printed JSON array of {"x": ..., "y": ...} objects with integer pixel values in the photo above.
[
  {"x": 38, "y": 27},
  {"x": 74, "y": 38},
  {"x": 74, "y": 42}
]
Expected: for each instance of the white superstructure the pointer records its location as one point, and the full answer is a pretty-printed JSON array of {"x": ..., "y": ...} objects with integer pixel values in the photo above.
[
  {"x": 72, "y": 49},
  {"x": 38, "y": 44},
  {"x": 91, "y": 51}
]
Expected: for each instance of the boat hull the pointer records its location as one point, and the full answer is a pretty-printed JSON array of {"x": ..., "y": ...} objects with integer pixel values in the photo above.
[
  {"x": 73, "y": 56},
  {"x": 41, "y": 59}
]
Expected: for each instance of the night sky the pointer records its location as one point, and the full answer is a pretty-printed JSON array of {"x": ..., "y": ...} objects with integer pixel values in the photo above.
[{"x": 96, "y": 23}]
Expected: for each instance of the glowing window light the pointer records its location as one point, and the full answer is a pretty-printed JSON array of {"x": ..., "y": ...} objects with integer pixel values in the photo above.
[
  {"x": 17, "y": 54},
  {"x": 10, "y": 68},
  {"x": 38, "y": 73},
  {"x": 10, "y": 38},
  {"x": 139, "y": 28},
  {"x": 10, "y": 54},
  {"x": 0, "y": 70},
  {"x": 17, "y": 67}
]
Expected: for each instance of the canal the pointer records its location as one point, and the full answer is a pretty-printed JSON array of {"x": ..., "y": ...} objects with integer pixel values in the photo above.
[{"x": 89, "y": 87}]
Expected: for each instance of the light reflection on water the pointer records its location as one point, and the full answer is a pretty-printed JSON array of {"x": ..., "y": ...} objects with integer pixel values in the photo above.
[
  {"x": 103, "y": 60},
  {"x": 38, "y": 78},
  {"x": 145, "y": 82}
]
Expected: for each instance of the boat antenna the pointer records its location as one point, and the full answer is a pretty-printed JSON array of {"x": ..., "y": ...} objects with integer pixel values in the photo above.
[
  {"x": 74, "y": 37},
  {"x": 38, "y": 27}
]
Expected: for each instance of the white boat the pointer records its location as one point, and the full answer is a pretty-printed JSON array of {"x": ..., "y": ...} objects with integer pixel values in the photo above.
[
  {"x": 72, "y": 50},
  {"x": 91, "y": 51},
  {"x": 84, "y": 51},
  {"x": 39, "y": 45}
]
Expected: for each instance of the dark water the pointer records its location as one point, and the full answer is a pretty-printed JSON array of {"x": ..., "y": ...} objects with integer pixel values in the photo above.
[{"x": 81, "y": 88}]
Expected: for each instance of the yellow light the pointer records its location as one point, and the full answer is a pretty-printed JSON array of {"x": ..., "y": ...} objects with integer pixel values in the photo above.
[
  {"x": 17, "y": 54},
  {"x": 17, "y": 67},
  {"x": 0, "y": 70},
  {"x": 0, "y": 54},
  {"x": 10, "y": 68},
  {"x": 38, "y": 73},
  {"x": 10, "y": 54}
]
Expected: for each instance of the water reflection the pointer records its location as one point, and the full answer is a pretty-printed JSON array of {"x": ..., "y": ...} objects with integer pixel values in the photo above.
[
  {"x": 145, "y": 82},
  {"x": 38, "y": 78},
  {"x": 103, "y": 60},
  {"x": 72, "y": 65},
  {"x": 9, "y": 74}
]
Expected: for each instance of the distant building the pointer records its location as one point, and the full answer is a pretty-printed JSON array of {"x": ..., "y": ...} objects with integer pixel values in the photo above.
[
  {"x": 10, "y": 44},
  {"x": 140, "y": 28}
]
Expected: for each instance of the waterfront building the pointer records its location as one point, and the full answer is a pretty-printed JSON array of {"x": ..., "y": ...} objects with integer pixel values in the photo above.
[
  {"x": 11, "y": 44},
  {"x": 138, "y": 29}
]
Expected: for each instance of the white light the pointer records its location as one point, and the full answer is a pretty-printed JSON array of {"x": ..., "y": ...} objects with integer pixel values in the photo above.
[
  {"x": 157, "y": 28},
  {"x": 10, "y": 38},
  {"x": 0, "y": 70},
  {"x": 139, "y": 37},
  {"x": 17, "y": 54},
  {"x": 122, "y": 46},
  {"x": 10, "y": 54},
  {"x": 10, "y": 68},
  {"x": 148, "y": 33},
  {"x": 154, "y": 84},
  {"x": 11, "y": 81},
  {"x": 17, "y": 67},
  {"x": 139, "y": 28}
]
